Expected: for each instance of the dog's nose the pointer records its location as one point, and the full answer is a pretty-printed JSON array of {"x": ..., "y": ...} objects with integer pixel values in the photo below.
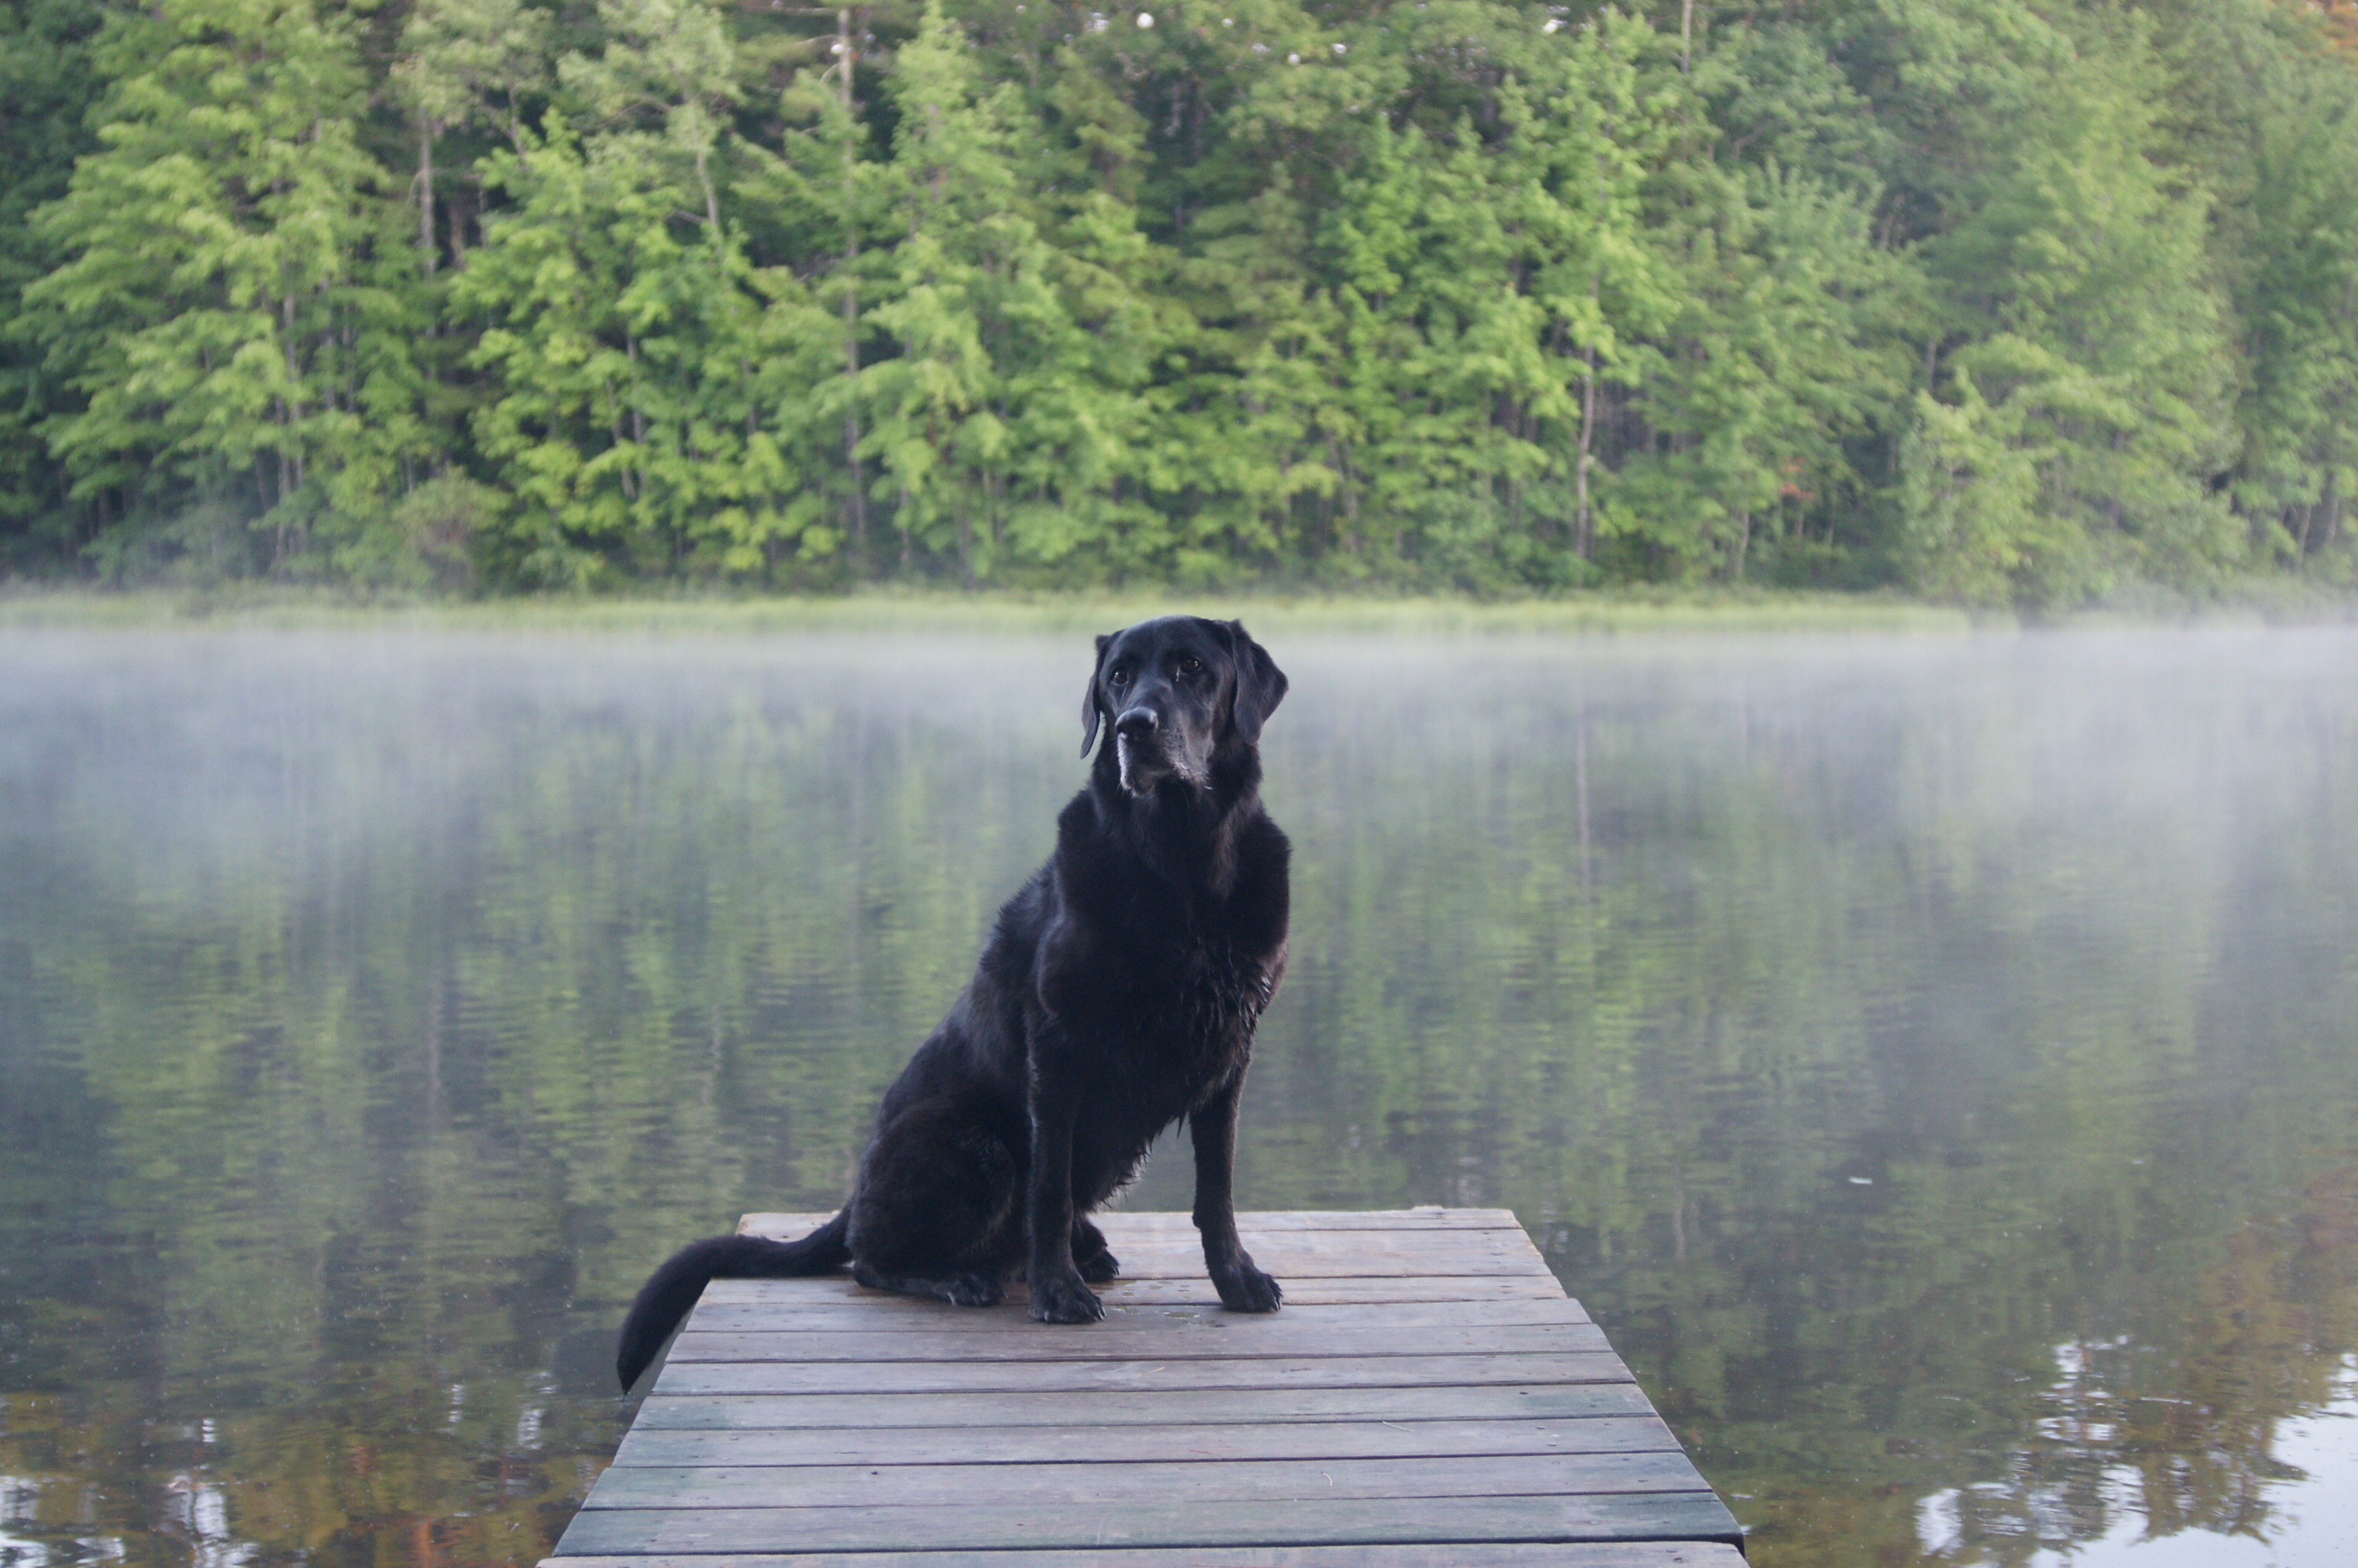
[{"x": 1138, "y": 723}]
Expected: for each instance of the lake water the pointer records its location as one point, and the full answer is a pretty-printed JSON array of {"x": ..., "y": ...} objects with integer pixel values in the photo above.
[{"x": 1934, "y": 1060}]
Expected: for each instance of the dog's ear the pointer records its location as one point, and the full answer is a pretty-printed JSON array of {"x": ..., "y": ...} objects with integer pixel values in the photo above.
[
  {"x": 1260, "y": 685},
  {"x": 1091, "y": 704}
]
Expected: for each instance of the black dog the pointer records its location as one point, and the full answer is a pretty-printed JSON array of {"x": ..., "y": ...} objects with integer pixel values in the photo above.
[{"x": 1118, "y": 993}]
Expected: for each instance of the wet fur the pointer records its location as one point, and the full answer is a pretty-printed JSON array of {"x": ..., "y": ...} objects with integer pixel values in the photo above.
[{"x": 1118, "y": 993}]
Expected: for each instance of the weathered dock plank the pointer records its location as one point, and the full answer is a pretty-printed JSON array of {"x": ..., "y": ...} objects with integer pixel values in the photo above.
[
  {"x": 1142, "y": 1372},
  {"x": 1117, "y": 1341},
  {"x": 1144, "y": 1483},
  {"x": 1193, "y": 1406},
  {"x": 1147, "y": 1223},
  {"x": 1428, "y": 1396},
  {"x": 1616, "y": 1554},
  {"x": 1083, "y": 1522},
  {"x": 1300, "y": 1290},
  {"x": 875, "y": 1315},
  {"x": 1118, "y": 1445}
]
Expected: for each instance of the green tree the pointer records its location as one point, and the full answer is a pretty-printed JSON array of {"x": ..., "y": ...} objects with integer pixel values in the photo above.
[
  {"x": 826, "y": 196},
  {"x": 2274, "y": 121},
  {"x": 461, "y": 64},
  {"x": 650, "y": 376},
  {"x": 231, "y": 311},
  {"x": 49, "y": 82},
  {"x": 1417, "y": 375},
  {"x": 1461, "y": 293},
  {"x": 1003, "y": 421},
  {"x": 2091, "y": 325},
  {"x": 1786, "y": 345}
]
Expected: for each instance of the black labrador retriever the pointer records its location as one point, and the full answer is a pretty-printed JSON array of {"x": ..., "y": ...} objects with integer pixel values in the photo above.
[{"x": 1119, "y": 992}]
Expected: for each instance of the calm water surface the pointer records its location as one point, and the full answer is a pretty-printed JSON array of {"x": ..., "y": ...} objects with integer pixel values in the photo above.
[{"x": 1934, "y": 1060}]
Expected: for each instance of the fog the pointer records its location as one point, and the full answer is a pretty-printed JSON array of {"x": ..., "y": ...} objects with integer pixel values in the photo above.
[{"x": 1930, "y": 1056}]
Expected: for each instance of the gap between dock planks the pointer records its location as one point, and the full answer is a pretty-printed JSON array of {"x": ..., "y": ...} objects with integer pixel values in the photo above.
[{"x": 1428, "y": 1396}]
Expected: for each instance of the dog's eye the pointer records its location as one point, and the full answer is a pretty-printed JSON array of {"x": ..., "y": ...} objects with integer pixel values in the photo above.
[
  {"x": 1191, "y": 666},
  {"x": 1119, "y": 676}
]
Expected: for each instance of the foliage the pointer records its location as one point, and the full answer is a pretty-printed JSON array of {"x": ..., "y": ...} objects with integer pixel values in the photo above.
[
  {"x": 232, "y": 333},
  {"x": 1992, "y": 303}
]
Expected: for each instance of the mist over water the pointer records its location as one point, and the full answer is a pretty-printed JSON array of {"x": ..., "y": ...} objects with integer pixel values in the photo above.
[{"x": 1934, "y": 1060}]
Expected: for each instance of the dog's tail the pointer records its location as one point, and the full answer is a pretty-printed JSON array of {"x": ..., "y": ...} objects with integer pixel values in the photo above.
[{"x": 672, "y": 1288}]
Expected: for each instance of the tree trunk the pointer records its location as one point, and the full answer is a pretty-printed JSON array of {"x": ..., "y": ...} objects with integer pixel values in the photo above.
[
  {"x": 458, "y": 233},
  {"x": 712, "y": 201},
  {"x": 638, "y": 417},
  {"x": 426, "y": 192},
  {"x": 279, "y": 534},
  {"x": 1584, "y": 533},
  {"x": 289, "y": 410},
  {"x": 852, "y": 306}
]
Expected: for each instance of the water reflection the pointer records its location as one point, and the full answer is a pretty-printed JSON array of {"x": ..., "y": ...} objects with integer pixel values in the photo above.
[{"x": 1936, "y": 1061}]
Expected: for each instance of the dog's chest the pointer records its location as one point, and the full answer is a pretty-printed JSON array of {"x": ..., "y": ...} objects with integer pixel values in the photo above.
[
  {"x": 1220, "y": 994},
  {"x": 1196, "y": 1026}
]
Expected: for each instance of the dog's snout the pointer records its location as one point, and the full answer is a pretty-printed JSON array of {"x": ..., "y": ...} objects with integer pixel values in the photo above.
[{"x": 1138, "y": 723}]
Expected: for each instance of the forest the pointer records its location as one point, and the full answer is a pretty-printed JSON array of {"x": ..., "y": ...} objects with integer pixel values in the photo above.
[{"x": 1984, "y": 301}]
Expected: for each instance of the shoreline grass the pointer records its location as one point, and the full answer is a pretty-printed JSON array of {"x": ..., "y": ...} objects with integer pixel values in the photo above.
[
  {"x": 1627, "y": 612},
  {"x": 884, "y": 610}
]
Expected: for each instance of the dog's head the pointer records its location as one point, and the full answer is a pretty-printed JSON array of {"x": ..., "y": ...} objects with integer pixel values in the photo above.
[{"x": 1173, "y": 692}]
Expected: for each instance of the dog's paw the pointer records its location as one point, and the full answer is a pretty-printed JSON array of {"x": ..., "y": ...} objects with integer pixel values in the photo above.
[
  {"x": 1097, "y": 1271},
  {"x": 976, "y": 1291},
  {"x": 1245, "y": 1289},
  {"x": 1065, "y": 1300}
]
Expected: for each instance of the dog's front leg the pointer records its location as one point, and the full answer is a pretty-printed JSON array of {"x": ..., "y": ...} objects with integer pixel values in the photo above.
[
  {"x": 1058, "y": 1295},
  {"x": 1242, "y": 1287}
]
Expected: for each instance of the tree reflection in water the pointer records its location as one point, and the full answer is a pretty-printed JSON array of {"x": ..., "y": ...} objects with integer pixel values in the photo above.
[{"x": 1933, "y": 1060}]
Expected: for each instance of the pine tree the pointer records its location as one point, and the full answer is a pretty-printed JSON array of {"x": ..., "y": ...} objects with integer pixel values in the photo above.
[
  {"x": 2096, "y": 333},
  {"x": 226, "y": 310},
  {"x": 2001, "y": 303},
  {"x": 1005, "y": 421},
  {"x": 2274, "y": 122},
  {"x": 49, "y": 84},
  {"x": 1784, "y": 346},
  {"x": 465, "y": 62},
  {"x": 645, "y": 365}
]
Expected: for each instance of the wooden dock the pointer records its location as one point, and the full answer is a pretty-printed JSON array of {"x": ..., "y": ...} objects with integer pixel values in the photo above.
[{"x": 1428, "y": 1396}]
